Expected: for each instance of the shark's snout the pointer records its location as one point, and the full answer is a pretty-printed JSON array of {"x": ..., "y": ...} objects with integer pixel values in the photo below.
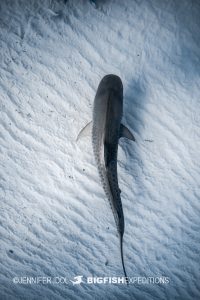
[{"x": 112, "y": 81}]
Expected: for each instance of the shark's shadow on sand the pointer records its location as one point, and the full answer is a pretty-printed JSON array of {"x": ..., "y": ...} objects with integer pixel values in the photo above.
[{"x": 131, "y": 164}]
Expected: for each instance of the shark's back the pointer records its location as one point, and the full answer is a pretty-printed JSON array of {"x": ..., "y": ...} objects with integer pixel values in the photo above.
[{"x": 107, "y": 114}]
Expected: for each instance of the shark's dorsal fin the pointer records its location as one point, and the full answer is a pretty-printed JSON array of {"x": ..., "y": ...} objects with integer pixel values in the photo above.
[
  {"x": 85, "y": 131},
  {"x": 125, "y": 132}
]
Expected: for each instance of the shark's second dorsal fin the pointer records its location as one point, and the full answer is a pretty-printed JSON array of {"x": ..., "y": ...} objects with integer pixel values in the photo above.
[
  {"x": 125, "y": 132},
  {"x": 85, "y": 131}
]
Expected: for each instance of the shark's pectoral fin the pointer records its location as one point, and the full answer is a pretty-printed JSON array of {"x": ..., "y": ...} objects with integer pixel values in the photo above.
[
  {"x": 125, "y": 132},
  {"x": 86, "y": 131}
]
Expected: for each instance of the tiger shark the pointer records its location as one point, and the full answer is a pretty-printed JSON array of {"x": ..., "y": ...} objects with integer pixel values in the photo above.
[{"x": 107, "y": 129}]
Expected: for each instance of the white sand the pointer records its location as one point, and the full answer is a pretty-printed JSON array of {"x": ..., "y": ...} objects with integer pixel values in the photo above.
[{"x": 55, "y": 219}]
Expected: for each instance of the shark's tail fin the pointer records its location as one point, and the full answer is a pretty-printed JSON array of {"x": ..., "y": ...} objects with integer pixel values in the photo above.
[{"x": 122, "y": 257}]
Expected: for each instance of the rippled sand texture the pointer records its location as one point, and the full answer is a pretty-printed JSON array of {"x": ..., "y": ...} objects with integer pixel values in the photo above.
[{"x": 55, "y": 219}]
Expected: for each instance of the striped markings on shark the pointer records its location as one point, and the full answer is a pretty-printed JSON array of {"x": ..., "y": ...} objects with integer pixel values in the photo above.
[{"x": 106, "y": 130}]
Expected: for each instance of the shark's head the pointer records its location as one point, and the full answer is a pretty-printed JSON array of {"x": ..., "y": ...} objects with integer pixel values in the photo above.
[
  {"x": 110, "y": 91},
  {"x": 112, "y": 82}
]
